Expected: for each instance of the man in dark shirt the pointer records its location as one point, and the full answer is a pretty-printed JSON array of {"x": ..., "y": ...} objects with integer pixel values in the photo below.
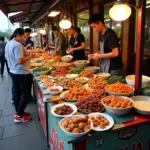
[
  {"x": 28, "y": 43},
  {"x": 109, "y": 54},
  {"x": 77, "y": 44}
]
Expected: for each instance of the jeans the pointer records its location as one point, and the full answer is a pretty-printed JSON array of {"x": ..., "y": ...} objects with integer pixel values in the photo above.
[
  {"x": 22, "y": 91},
  {"x": 13, "y": 91}
]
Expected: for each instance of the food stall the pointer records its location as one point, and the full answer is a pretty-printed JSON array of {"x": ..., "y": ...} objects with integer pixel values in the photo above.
[{"x": 80, "y": 108}]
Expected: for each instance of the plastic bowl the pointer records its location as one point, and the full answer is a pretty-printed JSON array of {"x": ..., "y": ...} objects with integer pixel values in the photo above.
[
  {"x": 92, "y": 69},
  {"x": 130, "y": 79},
  {"x": 118, "y": 111},
  {"x": 81, "y": 63},
  {"x": 66, "y": 58},
  {"x": 104, "y": 75},
  {"x": 75, "y": 134}
]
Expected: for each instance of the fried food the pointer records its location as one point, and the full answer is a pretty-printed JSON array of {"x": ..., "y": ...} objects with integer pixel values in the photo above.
[{"x": 86, "y": 74}]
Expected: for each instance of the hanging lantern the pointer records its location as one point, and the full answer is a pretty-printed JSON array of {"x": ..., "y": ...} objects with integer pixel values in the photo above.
[
  {"x": 33, "y": 34},
  {"x": 42, "y": 31},
  {"x": 120, "y": 11},
  {"x": 65, "y": 23}
]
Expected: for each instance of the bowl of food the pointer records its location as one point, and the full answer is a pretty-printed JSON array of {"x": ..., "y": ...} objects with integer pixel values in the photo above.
[
  {"x": 76, "y": 70},
  {"x": 142, "y": 104},
  {"x": 119, "y": 89},
  {"x": 76, "y": 125},
  {"x": 67, "y": 58},
  {"x": 89, "y": 105},
  {"x": 54, "y": 99},
  {"x": 130, "y": 79},
  {"x": 47, "y": 83},
  {"x": 75, "y": 94},
  {"x": 92, "y": 69},
  {"x": 81, "y": 63},
  {"x": 86, "y": 74},
  {"x": 118, "y": 105},
  {"x": 54, "y": 90},
  {"x": 41, "y": 70},
  {"x": 71, "y": 76},
  {"x": 63, "y": 110},
  {"x": 82, "y": 80},
  {"x": 104, "y": 75}
]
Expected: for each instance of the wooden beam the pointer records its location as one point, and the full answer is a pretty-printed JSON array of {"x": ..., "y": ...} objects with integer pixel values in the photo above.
[
  {"x": 140, "y": 45},
  {"x": 43, "y": 12},
  {"x": 26, "y": 3}
]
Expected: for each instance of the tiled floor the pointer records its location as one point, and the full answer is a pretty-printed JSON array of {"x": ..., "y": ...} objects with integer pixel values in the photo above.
[{"x": 24, "y": 136}]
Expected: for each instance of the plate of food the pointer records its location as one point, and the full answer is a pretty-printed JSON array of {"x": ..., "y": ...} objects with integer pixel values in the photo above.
[
  {"x": 76, "y": 70},
  {"x": 54, "y": 90},
  {"x": 101, "y": 121},
  {"x": 76, "y": 125},
  {"x": 36, "y": 65},
  {"x": 42, "y": 77},
  {"x": 89, "y": 105},
  {"x": 92, "y": 69},
  {"x": 60, "y": 72},
  {"x": 103, "y": 75},
  {"x": 119, "y": 89},
  {"x": 54, "y": 99},
  {"x": 68, "y": 83},
  {"x": 118, "y": 105},
  {"x": 81, "y": 63},
  {"x": 63, "y": 110},
  {"x": 71, "y": 76},
  {"x": 47, "y": 83},
  {"x": 61, "y": 65},
  {"x": 86, "y": 74},
  {"x": 41, "y": 70},
  {"x": 75, "y": 94},
  {"x": 67, "y": 58},
  {"x": 82, "y": 80},
  {"x": 97, "y": 83}
]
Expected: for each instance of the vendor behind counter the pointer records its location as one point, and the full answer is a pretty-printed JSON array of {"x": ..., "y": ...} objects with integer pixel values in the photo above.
[
  {"x": 77, "y": 44},
  {"x": 59, "y": 43}
]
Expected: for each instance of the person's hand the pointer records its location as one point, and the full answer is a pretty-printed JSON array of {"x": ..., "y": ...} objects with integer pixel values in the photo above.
[
  {"x": 29, "y": 45},
  {"x": 90, "y": 57},
  {"x": 96, "y": 56},
  {"x": 70, "y": 51}
]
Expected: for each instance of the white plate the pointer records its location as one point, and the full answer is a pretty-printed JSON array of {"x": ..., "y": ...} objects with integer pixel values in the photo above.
[
  {"x": 62, "y": 97},
  {"x": 59, "y": 105},
  {"x": 71, "y": 76},
  {"x": 53, "y": 87},
  {"x": 109, "y": 118},
  {"x": 86, "y": 80}
]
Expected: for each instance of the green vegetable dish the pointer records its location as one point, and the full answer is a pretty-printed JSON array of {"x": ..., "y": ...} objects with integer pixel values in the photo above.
[
  {"x": 40, "y": 69},
  {"x": 76, "y": 70},
  {"x": 114, "y": 79}
]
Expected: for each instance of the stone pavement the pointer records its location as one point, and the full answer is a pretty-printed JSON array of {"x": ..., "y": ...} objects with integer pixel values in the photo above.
[{"x": 23, "y": 136}]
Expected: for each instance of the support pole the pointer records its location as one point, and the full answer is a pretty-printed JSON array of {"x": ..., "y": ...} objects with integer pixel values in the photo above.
[{"x": 140, "y": 45}]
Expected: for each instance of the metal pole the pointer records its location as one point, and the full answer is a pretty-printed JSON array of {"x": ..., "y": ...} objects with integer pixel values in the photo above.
[{"x": 140, "y": 45}]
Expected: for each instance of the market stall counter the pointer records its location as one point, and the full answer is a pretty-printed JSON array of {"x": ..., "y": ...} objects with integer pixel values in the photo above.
[{"x": 128, "y": 131}]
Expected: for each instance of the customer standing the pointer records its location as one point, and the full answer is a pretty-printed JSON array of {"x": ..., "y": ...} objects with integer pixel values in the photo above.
[
  {"x": 59, "y": 42},
  {"x": 109, "y": 54},
  {"x": 28, "y": 43},
  {"x": 19, "y": 64},
  {"x": 2, "y": 56},
  {"x": 77, "y": 44}
]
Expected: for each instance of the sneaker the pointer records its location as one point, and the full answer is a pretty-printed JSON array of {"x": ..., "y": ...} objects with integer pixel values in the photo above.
[
  {"x": 25, "y": 114},
  {"x": 19, "y": 119}
]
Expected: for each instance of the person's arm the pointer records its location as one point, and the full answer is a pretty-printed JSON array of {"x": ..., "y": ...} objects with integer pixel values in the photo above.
[
  {"x": 83, "y": 44},
  {"x": 24, "y": 59},
  {"x": 19, "y": 55},
  {"x": 113, "y": 45}
]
